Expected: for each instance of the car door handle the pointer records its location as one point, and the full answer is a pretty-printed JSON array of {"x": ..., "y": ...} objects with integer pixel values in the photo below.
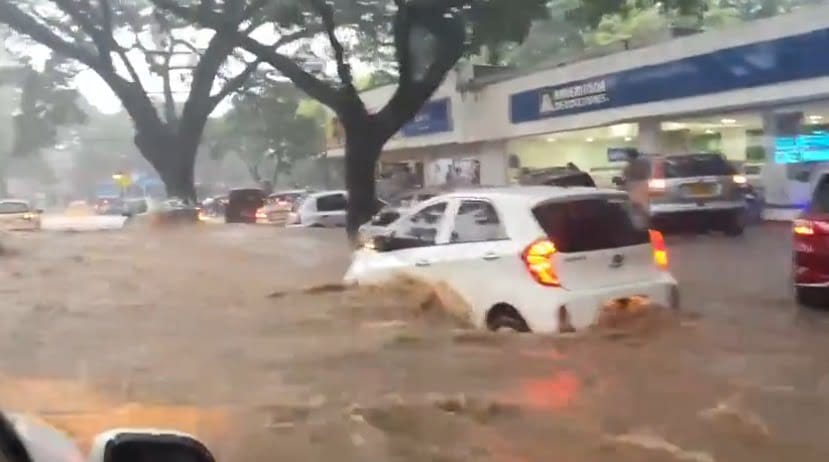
[
  {"x": 422, "y": 263},
  {"x": 491, "y": 256}
]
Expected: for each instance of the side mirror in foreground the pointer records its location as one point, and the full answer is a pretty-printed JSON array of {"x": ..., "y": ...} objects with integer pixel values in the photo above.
[{"x": 140, "y": 445}]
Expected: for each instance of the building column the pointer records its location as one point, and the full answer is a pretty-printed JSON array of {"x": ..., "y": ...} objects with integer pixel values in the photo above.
[
  {"x": 494, "y": 163},
  {"x": 733, "y": 143},
  {"x": 786, "y": 180},
  {"x": 650, "y": 136}
]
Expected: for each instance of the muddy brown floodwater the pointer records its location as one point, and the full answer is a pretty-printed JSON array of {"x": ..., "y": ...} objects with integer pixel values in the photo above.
[{"x": 212, "y": 330}]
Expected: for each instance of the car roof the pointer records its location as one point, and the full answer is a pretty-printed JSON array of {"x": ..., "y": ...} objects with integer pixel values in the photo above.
[
  {"x": 14, "y": 201},
  {"x": 289, "y": 191},
  {"x": 531, "y": 193},
  {"x": 326, "y": 193}
]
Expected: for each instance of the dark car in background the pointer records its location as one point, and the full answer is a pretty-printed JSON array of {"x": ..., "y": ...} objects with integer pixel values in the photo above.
[
  {"x": 700, "y": 190},
  {"x": 556, "y": 176},
  {"x": 243, "y": 204}
]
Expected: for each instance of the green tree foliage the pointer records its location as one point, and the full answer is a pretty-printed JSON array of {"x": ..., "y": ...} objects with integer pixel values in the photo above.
[
  {"x": 559, "y": 34},
  {"x": 420, "y": 40},
  {"x": 267, "y": 132},
  {"x": 168, "y": 75},
  {"x": 577, "y": 26},
  {"x": 46, "y": 103}
]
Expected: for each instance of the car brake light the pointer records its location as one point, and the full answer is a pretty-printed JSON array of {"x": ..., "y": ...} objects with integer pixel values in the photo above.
[
  {"x": 803, "y": 227},
  {"x": 660, "y": 251},
  {"x": 538, "y": 257},
  {"x": 260, "y": 214},
  {"x": 657, "y": 184}
]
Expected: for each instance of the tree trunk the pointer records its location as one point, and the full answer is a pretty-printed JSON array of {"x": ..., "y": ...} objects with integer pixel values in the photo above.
[
  {"x": 179, "y": 180},
  {"x": 175, "y": 163},
  {"x": 362, "y": 149}
]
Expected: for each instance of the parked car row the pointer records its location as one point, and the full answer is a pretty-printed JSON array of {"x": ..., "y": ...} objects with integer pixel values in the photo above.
[{"x": 283, "y": 208}]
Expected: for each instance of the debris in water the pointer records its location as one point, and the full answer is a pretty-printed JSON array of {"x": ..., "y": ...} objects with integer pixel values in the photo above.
[
  {"x": 481, "y": 410},
  {"x": 319, "y": 289},
  {"x": 636, "y": 317},
  {"x": 647, "y": 441},
  {"x": 415, "y": 297},
  {"x": 744, "y": 424}
]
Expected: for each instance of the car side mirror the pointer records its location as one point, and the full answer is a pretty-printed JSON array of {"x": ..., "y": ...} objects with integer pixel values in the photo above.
[
  {"x": 39, "y": 211},
  {"x": 618, "y": 181},
  {"x": 136, "y": 445}
]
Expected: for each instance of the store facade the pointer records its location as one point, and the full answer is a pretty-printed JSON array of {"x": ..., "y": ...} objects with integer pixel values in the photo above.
[{"x": 757, "y": 92}]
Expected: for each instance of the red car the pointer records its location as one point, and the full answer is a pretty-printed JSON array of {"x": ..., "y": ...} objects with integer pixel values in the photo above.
[{"x": 811, "y": 248}]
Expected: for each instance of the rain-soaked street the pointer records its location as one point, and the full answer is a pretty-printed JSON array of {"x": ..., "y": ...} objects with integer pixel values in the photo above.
[{"x": 241, "y": 335}]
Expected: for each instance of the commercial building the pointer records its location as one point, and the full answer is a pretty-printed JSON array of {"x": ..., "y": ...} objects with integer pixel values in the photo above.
[{"x": 757, "y": 92}]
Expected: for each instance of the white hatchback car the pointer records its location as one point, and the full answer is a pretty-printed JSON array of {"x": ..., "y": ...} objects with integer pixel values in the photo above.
[
  {"x": 324, "y": 209},
  {"x": 537, "y": 258}
]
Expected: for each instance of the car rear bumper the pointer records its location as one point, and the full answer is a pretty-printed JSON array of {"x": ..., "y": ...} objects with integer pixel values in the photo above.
[
  {"x": 670, "y": 208},
  {"x": 809, "y": 276},
  {"x": 541, "y": 310}
]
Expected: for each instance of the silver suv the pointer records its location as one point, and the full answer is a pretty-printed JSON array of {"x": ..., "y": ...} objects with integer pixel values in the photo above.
[{"x": 697, "y": 189}]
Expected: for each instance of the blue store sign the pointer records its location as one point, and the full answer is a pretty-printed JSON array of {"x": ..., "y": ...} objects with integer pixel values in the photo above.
[
  {"x": 434, "y": 117},
  {"x": 764, "y": 63}
]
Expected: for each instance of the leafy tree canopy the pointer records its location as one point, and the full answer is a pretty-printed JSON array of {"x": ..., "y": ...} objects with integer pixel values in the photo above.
[{"x": 267, "y": 132}]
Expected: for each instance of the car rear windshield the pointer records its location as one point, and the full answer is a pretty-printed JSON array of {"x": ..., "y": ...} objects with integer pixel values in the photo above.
[
  {"x": 696, "y": 165},
  {"x": 13, "y": 207},
  {"x": 587, "y": 224}
]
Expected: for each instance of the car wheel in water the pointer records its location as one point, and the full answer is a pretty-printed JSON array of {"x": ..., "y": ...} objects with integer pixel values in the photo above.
[
  {"x": 505, "y": 317},
  {"x": 810, "y": 296},
  {"x": 735, "y": 224}
]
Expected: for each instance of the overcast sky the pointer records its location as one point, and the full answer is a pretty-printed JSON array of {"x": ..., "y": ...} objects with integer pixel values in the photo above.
[{"x": 98, "y": 93}]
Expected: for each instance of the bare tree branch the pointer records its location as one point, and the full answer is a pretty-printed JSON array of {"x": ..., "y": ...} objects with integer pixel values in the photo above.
[
  {"x": 314, "y": 87},
  {"x": 412, "y": 91},
  {"x": 169, "y": 103},
  {"x": 235, "y": 82},
  {"x": 303, "y": 33},
  {"x": 186, "y": 44},
  {"x": 109, "y": 39},
  {"x": 26, "y": 25},
  {"x": 311, "y": 85},
  {"x": 326, "y": 12},
  {"x": 103, "y": 42}
]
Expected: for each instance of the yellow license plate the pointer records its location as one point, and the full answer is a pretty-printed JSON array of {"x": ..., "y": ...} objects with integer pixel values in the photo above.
[{"x": 702, "y": 189}]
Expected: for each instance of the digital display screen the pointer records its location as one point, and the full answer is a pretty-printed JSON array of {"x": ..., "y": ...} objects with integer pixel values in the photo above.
[
  {"x": 811, "y": 147},
  {"x": 619, "y": 154}
]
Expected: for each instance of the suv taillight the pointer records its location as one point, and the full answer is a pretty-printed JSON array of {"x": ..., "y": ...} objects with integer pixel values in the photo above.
[
  {"x": 802, "y": 227},
  {"x": 538, "y": 257},
  {"x": 660, "y": 251}
]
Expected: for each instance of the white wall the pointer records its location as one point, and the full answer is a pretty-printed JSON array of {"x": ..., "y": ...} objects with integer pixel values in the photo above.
[
  {"x": 539, "y": 153},
  {"x": 733, "y": 143}
]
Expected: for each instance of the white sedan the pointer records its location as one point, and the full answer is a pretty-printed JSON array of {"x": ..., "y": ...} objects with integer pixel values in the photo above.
[
  {"x": 18, "y": 215},
  {"x": 538, "y": 258}
]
